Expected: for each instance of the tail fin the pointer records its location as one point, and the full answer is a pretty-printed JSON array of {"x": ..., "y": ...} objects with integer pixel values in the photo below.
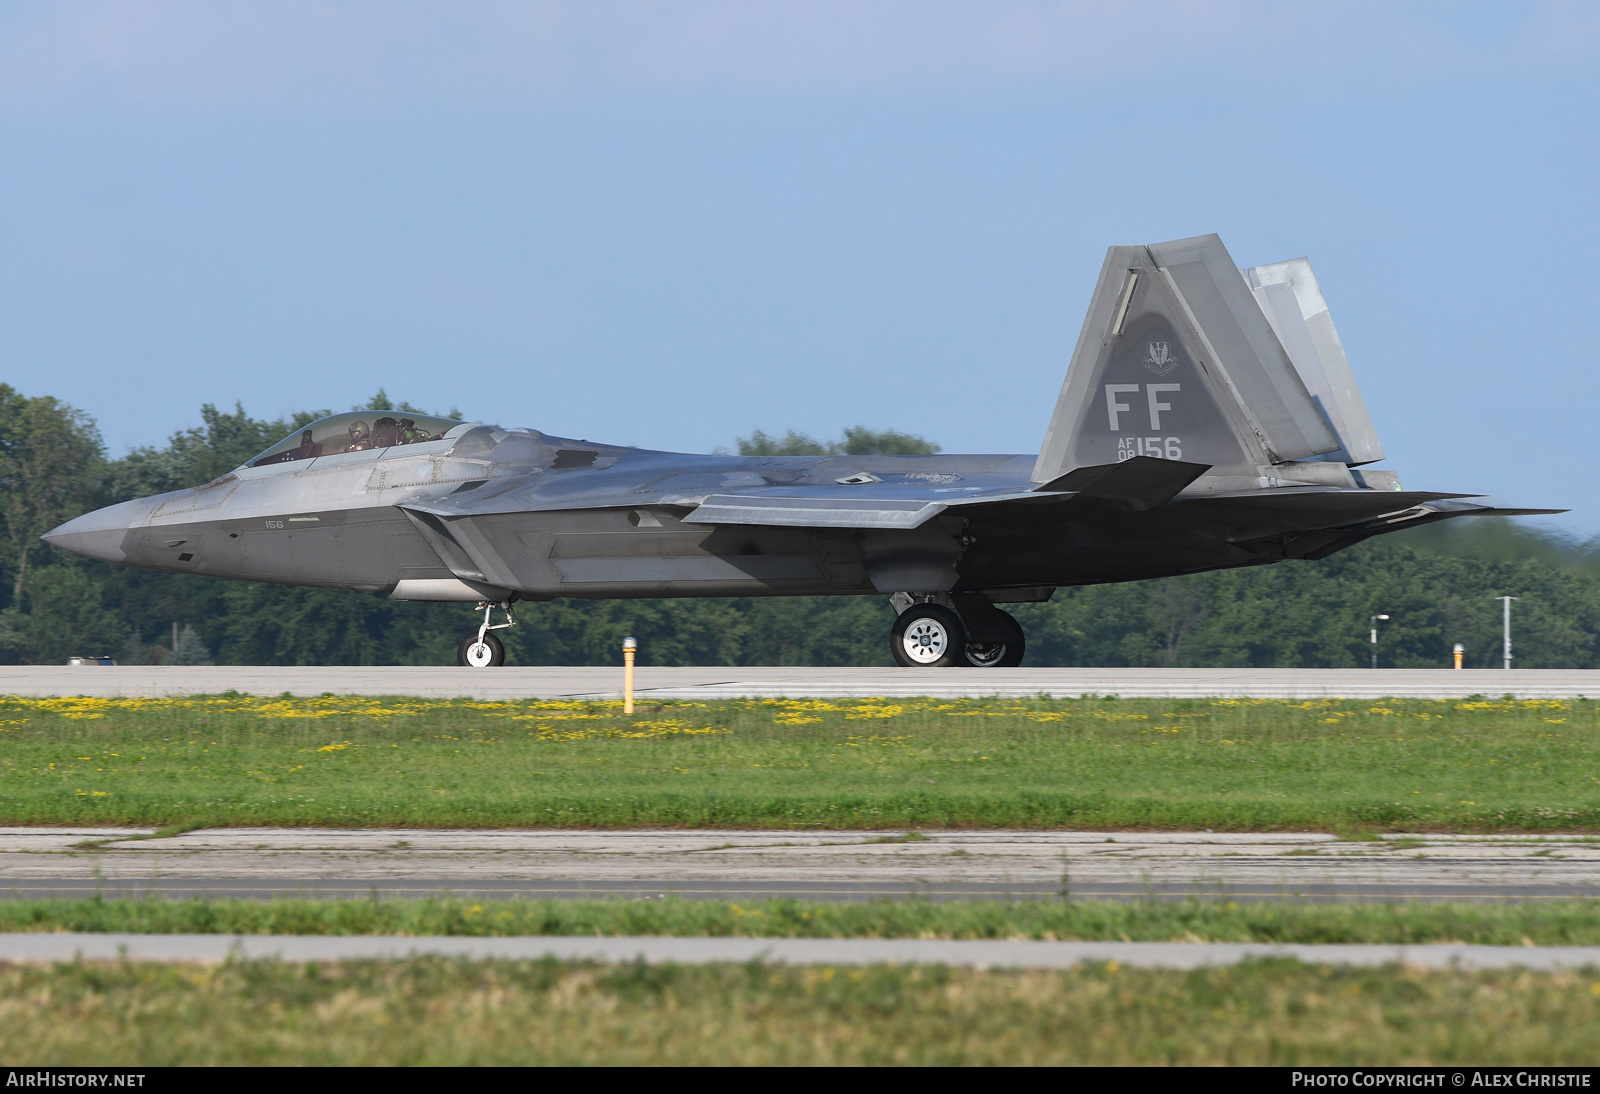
[
  {"x": 1292, "y": 301},
  {"x": 1178, "y": 361}
]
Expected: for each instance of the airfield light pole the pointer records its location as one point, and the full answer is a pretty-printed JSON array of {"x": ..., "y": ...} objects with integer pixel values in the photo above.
[
  {"x": 629, "y": 648},
  {"x": 1506, "y": 600},
  {"x": 1374, "y": 622}
]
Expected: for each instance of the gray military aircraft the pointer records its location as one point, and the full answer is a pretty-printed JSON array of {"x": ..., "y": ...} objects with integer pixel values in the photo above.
[{"x": 1209, "y": 419}]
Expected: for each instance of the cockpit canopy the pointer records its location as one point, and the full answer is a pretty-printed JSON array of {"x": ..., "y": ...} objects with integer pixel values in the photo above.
[{"x": 356, "y": 431}]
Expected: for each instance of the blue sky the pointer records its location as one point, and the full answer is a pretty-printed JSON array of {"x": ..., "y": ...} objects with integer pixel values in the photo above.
[{"x": 668, "y": 224}]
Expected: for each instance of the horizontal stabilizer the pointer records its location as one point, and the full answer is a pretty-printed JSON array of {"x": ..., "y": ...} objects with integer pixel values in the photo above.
[
  {"x": 814, "y": 512},
  {"x": 1462, "y": 506},
  {"x": 1141, "y": 482},
  {"x": 1319, "y": 544},
  {"x": 1330, "y": 505},
  {"x": 1497, "y": 511}
]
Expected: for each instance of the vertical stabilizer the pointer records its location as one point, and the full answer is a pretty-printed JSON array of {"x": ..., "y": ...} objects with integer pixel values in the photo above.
[
  {"x": 1292, "y": 301},
  {"x": 1177, "y": 361}
]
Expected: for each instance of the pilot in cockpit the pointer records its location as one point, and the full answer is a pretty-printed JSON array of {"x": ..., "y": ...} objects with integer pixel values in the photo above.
[{"x": 350, "y": 432}]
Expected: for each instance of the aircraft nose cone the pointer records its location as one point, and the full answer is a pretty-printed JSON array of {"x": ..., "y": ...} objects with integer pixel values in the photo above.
[{"x": 98, "y": 534}]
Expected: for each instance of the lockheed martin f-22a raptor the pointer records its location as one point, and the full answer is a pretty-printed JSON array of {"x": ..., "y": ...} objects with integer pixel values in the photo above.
[{"x": 1209, "y": 419}]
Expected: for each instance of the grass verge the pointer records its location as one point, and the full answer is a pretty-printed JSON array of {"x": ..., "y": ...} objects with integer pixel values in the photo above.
[
  {"x": 1489, "y": 765},
  {"x": 1567, "y": 923},
  {"x": 438, "y": 1011}
]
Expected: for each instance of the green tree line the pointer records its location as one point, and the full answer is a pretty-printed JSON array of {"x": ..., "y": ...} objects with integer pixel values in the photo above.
[{"x": 1437, "y": 584}]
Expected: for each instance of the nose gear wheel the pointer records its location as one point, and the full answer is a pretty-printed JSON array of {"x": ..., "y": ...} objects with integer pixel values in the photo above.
[
  {"x": 481, "y": 653},
  {"x": 482, "y": 648}
]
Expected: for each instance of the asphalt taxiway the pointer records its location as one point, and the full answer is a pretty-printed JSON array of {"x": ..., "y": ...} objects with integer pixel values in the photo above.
[{"x": 263, "y": 863}]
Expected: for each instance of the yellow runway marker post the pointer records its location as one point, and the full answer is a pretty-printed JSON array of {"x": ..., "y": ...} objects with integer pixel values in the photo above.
[{"x": 629, "y": 647}]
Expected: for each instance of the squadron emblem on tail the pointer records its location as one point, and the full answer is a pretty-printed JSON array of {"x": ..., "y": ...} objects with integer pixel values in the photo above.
[{"x": 1158, "y": 358}]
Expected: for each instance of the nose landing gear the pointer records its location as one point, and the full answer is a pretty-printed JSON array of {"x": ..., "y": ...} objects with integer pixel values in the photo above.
[{"x": 482, "y": 648}]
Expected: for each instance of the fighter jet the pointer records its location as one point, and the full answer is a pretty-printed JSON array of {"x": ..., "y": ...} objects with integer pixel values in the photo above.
[{"x": 1209, "y": 419}]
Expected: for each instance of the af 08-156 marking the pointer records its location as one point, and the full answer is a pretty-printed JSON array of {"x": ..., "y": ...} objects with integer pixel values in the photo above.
[
  {"x": 1170, "y": 448},
  {"x": 1256, "y": 470}
]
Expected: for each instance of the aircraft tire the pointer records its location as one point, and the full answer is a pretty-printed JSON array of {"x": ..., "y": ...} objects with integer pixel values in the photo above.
[
  {"x": 928, "y": 636},
  {"x": 1000, "y": 655},
  {"x": 492, "y": 652}
]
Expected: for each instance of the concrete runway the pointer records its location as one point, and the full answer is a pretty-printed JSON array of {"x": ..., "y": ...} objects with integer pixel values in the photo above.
[
  {"x": 733, "y": 865},
  {"x": 731, "y": 683},
  {"x": 213, "y": 949}
]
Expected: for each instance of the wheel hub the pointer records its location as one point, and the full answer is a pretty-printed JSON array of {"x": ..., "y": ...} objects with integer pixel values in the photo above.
[
  {"x": 926, "y": 640},
  {"x": 986, "y": 655}
]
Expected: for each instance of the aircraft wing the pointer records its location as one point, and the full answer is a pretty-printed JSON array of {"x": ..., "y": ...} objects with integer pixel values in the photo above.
[
  {"x": 1139, "y": 483},
  {"x": 809, "y": 507}
]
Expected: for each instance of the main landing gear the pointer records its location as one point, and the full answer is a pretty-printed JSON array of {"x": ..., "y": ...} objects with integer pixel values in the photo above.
[
  {"x": 482, "y": 648},
  {"x": 940, "y": 630}
]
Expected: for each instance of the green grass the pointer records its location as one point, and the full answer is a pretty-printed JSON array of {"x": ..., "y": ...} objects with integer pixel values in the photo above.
[
  {"x": 438, "y": 1011},
  {"x": 1564, "y": 923},
  {"x": 889, "y": 764}
]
